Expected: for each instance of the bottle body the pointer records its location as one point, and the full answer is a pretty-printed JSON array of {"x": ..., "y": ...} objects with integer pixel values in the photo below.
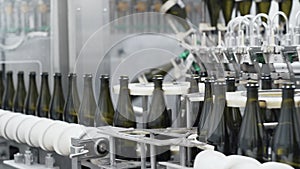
[
  {"x": 206, "y": 109},
  {"x": 32, "y": 96},
  {"x": 286, "y": 148},
  {"x": 88, "y": 106},
  {"x": 125, "y": 117},
  {"x": 244, "y": 7},
  {"x": 234, "y": 119},
  {"x": 217, "y": 131},
  {"x": 42, "y": 108},
  {"x": 71, "y": 107},
  {"x": 159, "y": 117},
  {"x": 2, "y": 88},
  {"x": 57, "y": 101},
  {"x": 227, "y": 8},
  {"x": 19, "y": 98},
  {"x": 105, "y": 105},
  {"x": 251, "y": 140},
  {"x": 9, "y": 92}
]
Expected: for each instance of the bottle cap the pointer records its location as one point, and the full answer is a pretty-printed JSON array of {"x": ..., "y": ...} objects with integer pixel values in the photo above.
[
  {"x": 57, "y": 74},
  {"x": 252, "y": 84},
  {"x": 32, "y": 73},
  {"x": 21, "y": 73},
  {"x": 220, "y": 82},
  {"x": 124, "y": 77},
  {"x": 104, "y": 76},
  {"x": 9, "y": 72},
  {"x": 72, "y": 75},
  {"x": 230, "y": 78},
  {"x": 87, "y": 76},
  {"x": 266, "y": 77},
  {"x": 158, "y": 77},
  {"x": 288, "y": 85},
  {"x": 44, "y": 74}
]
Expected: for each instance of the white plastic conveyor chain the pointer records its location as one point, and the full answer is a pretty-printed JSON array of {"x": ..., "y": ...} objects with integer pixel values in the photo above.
[{"x": 50, "y": 135}]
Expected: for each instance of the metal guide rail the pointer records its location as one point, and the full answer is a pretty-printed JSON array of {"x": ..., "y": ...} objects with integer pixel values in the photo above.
[{"x": 89, "y": 149}]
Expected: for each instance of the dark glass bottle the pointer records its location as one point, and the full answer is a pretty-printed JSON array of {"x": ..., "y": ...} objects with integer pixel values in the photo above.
[
  {"x": 20, "y": 94},
  {"x": 42, "y": 108},
  {"x": 88, "y": 106},
  {"x": 159, "y": 117},
  {"x": 106, "y": 108},
  {"x": 32, "y": 96},
  {"x": 1, "y": 88},
  {"x": 286, "y": 7},
  {"x": 227, "y": 8},
  {"x": 268, "y": 115},
  {"x": 244, "y": 7},
  {"x": 9, "y": 92},
  {"x": 71, "y": 107},
  {"x": 217, "y": 131},
  {"x": 233, "y": 118},
  {"x": 125, "y": 117},
  {"x": 196, "y": 107},
  {"x": 57, "y": 101},
  {"x": 214, "y": 8},
  {"x": 251, "y": 140},
  {"x": 263, "y": 6},
  {"x": 206, "y": 109},
  {"x": 286, "y": 148}
]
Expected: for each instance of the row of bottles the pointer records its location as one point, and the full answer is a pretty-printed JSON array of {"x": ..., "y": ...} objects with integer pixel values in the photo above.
[
  {"x": 231, "y": 133},
  {"x": 243, "y": 7},
  {"x": 24, "y": 16}
]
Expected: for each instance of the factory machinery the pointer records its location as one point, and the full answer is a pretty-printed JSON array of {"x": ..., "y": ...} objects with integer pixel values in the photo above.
[{"x": 140, "y": 39}]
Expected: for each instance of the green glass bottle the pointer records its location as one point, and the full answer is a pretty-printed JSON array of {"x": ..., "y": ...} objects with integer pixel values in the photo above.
[
  {"x": 125, "y": 117},
  {"x": 106, "y": 108},
  {"x": 286, "y": 7},
  {"x": 227, "y": 8},
  {"x": 88, "y": 106},
  {"x": 1, "y": 88},
  {"x": 286, "y": 148},
  {"x": 251, "y": 140},
  {"x": 57, "y": 101},
  {"x": 71, "y": 107},
  {"x": 233, "y": 117},
  {"x": 263, "y": 6},
  {"x": 244, "y": 7},
  {"x": 42, "y": 108},
  {"x": 32, "y": 96},
  {"x": 268, "y": 115},
  {"x": 217, "y": 131},
  {"x": 214, "y": 8},
  {"x": 20, "y": 94},
  {"x": 206, "y": 109},
  {"x": 9, "y": 92},
  {"x": 159, "y": 116},
  {"x": 196, "y": 107}
]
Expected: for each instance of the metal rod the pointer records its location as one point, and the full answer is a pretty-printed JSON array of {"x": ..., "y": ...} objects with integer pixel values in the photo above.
[
  {"x": 152, "y": 153},
  {"x": 182, "y": 151},
  {"x": 143, "y": 155},
  {"x": 145, "y": 110},
  {"x": 112, "y": 149}
]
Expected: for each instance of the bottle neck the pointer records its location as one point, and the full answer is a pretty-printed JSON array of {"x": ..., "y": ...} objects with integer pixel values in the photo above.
[
  {"x": 266, "y": 84},
  {"x": 231, "y": 86},
  {"x": 158, "y": 84},
  {"x": 252, "y": 93},
  {"x": 104, "y": 84},
  {"x": 88, "y": 85},
  {"x": 124, "y": 83},
  {"x": 208, "y": 93},
  {"x": 288, "y": 94}
]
